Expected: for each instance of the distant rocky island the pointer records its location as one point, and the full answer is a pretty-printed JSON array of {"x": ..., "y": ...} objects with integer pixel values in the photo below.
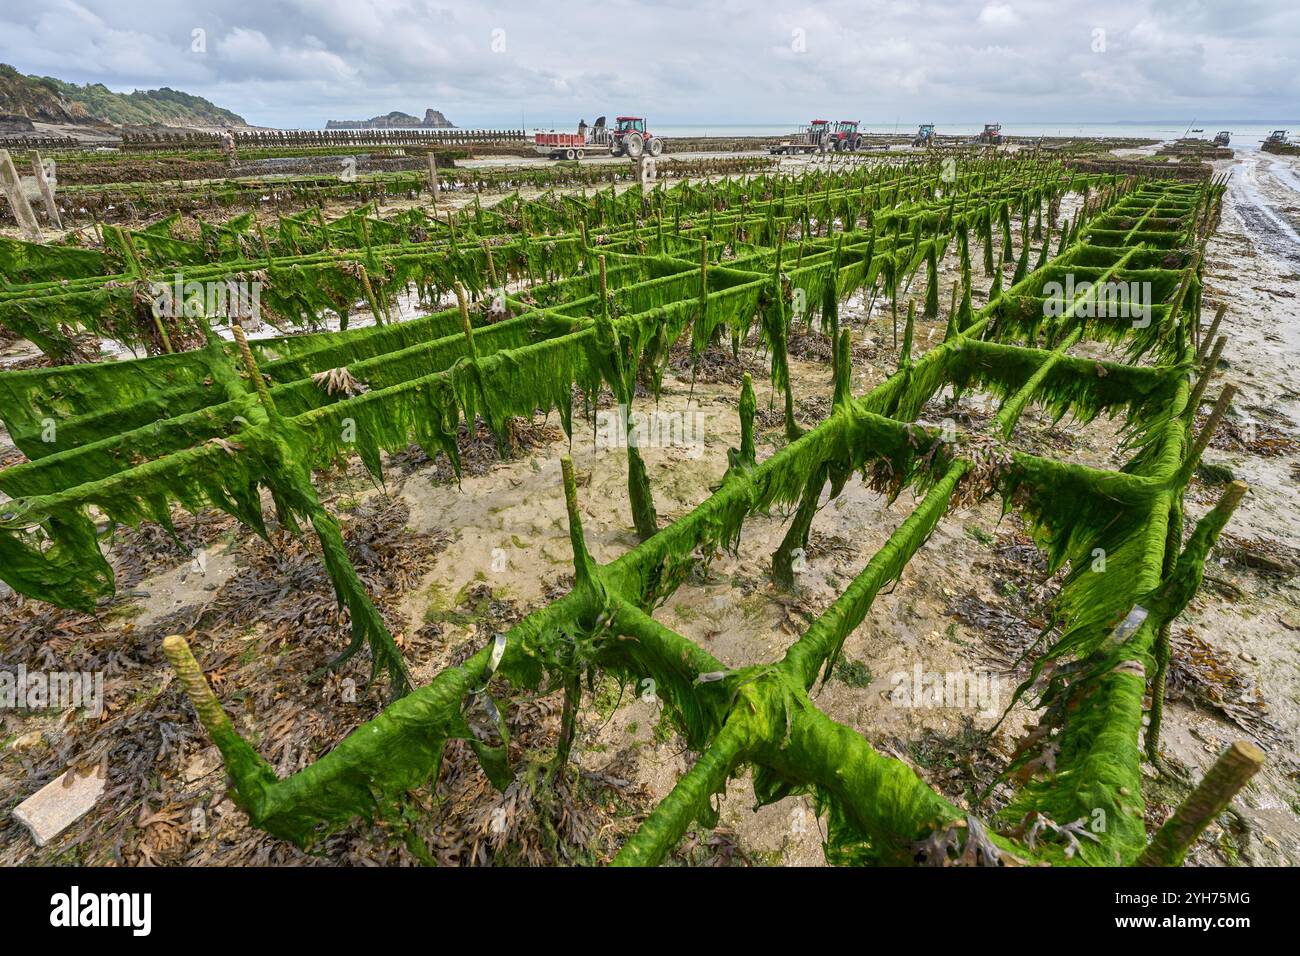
[{"x": 433, "y": 119}]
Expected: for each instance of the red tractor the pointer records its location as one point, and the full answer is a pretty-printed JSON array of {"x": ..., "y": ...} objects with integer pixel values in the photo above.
[
  {"x": 820, "y": 136},
  {"x": 843, "y": 135},
  {"x": 630, "y": 138}
]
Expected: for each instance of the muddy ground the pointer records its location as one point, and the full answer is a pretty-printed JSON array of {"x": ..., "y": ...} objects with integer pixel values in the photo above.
[{"x": 450, "y": 563}]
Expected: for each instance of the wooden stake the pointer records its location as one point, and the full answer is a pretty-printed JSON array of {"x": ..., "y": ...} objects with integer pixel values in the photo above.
[
  {"x": 13, "y": 190},
  {"x": 433, "y": 177},
  {"x": 197, "y": 689},
  {"x": 1214, "y": 328},
  {"x": 1232, "y": 771},
  {"x": 266, "y": 246},
  {"x": 137, "y": 269},
  {"x": 375, "y": 308},
  {"x": 1211, "y": 425},
  {"x": 704, "y": 269},
  {"x": 250, "y": 366},
  {"x": 492, "y": 272},
  {"x": 1207, "y": 373},
  {"x": 1223, "y": 510},
  {"x": 47, "y": 193},
  {"x": 583, "y": 565},
  {"x": 464, "y": 319},
  {"x": 604, "y": 286}
]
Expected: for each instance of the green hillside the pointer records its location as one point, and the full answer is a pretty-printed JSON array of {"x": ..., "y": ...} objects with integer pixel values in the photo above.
[{"x": 46, "y": 99}]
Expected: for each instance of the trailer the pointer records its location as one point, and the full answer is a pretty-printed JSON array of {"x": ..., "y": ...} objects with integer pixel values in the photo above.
[
  {"x": 813, "y": 138},
  {"x": 1279, "y": 143},
  {"x": 628, "y": 138},
  {"x": 560, "y": 145}
]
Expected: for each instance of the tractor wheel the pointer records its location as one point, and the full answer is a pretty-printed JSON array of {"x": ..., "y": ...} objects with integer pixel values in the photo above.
[
  {"x": 655, "y": 146},
  {"x": 633, "y": 145},
  {"x": 857, "y": 144},
  {"x": 570, "y": 154},
  {"x": 615, "y": 149}
]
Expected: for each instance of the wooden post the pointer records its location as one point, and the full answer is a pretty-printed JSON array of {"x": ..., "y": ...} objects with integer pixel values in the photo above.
[
  {"x": 1208, "y": 337},
  {"x": 604, "y": 286},
  {"x": 1203, "y": 439},
  {"x": 1230, "y": 773},
  {"x": 1208, "y": 368},
  {"x": 433, "y": 176},
  {"x": 465, "y": 322},
  {"x": 13, "y": 189},
  {"x": 250, "y": 366},
  {"x": 47, "y": 192},
  {"x": 197, "y": 689}
]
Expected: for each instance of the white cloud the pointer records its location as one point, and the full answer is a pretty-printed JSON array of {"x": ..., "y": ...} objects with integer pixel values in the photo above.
[
  {"x": 999, "y": 16},
  {"x": 256, "y": 58},
  {"x": 300, "y": 62}
]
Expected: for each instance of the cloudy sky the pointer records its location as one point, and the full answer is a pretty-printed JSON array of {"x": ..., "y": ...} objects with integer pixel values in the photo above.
[{"x": 301, "y": 62}]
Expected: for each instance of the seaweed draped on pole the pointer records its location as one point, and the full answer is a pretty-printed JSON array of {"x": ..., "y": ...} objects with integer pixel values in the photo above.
[{"x": 611, "y": 322}]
